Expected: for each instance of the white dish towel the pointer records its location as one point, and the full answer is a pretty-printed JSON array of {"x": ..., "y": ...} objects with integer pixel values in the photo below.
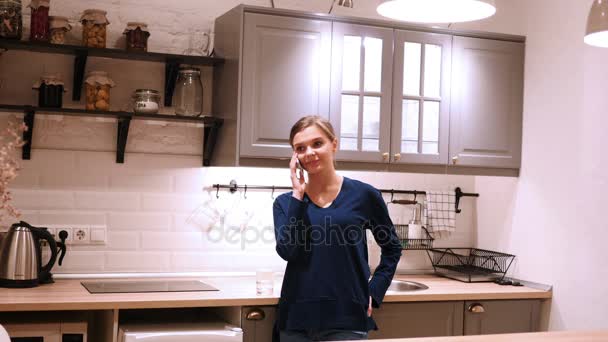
[{"x": 440, "y": 212}]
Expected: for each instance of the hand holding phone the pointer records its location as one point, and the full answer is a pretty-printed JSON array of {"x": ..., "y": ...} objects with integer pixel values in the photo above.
[{"x": 300, "y": 167}]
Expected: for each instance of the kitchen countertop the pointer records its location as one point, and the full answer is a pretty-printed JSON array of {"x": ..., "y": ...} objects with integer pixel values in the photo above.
[
  {"x": 69, "y": 294},
  {"x": 553, "y": 336}
]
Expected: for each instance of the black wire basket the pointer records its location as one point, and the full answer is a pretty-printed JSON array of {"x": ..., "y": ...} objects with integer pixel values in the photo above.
[
  {"x": 470, "y": 264},
  {"x": 413, "y": 244}
]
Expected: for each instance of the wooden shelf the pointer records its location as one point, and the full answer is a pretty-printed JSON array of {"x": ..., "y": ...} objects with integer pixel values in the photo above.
[
  {"x": 211, "y": 126},
  {"x": 82, "y": 53}
]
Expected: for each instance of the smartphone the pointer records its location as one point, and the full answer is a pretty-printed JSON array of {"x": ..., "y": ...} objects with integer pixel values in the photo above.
[{"x": 300, "y": 167}]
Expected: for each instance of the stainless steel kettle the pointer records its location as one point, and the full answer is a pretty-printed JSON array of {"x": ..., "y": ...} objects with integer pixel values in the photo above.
[{"x": 20, "y": 256}]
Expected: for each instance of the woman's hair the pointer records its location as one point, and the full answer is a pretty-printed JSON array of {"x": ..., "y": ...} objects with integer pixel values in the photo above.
[{"x": 312, "y": 120}]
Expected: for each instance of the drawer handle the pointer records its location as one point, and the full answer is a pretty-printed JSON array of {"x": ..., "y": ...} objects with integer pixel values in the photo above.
[
  {"x": 397, "y": 156},
  {"x": 256, "y": 315},
  {"x": 476, "y": 308},
  {"x": 385, "y": 156}
]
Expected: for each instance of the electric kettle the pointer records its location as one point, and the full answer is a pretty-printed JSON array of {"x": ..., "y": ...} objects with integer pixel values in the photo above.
[{"x": 20, "y": 256}]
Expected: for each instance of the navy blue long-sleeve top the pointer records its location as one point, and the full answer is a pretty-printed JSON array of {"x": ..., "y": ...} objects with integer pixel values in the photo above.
[{"x": 326, "y": 283}]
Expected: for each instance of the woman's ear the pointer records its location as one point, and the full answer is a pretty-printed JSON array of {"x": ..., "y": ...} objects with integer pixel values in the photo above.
[{"x": 335, "y": 145}]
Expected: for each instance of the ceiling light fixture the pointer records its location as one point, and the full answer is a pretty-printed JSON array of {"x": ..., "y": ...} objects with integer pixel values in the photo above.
[
  {"x": 597, "y": 24},
  {"x": 437, "y": 11},
  {"x": 343, "y": 3}
]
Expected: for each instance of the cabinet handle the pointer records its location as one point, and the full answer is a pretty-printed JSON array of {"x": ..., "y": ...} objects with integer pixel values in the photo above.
[
  {"x": 397, "y": 156},
  {"x": 256, "y": 315},
  {"x": 476, "y": 308},
  {"x": 385, "y": 156},
  {"x": 454, "y": 160}
]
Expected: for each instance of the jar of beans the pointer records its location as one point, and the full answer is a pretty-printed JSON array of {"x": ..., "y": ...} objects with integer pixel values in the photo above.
[
  {"x": 39, "y": 28},
  {"x": 97, "y": 86},
  {"x": 50, "y": 91},
  {"x": 11, "y": 22},
  {"x": 94, "y": 24},
  {"x": 137, "y": 36},
  {"x": 59, "y": 26}
]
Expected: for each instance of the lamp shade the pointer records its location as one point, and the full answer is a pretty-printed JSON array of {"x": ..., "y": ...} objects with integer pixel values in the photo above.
[
  {"x": 437, "y": 11},
  {"x": 597, "y": 24}
]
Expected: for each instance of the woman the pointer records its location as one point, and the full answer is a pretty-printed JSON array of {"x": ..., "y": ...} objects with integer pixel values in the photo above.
[{"x": 320, "y": 232}]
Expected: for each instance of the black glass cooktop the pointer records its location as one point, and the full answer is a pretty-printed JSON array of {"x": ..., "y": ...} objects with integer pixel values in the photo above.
[{"x": 132, "y": 286}]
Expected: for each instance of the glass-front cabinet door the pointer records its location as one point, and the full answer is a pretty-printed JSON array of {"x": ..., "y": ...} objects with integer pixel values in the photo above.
[
  {"x": 360, "y": 103},
  {"x": 421, "y": 98}
]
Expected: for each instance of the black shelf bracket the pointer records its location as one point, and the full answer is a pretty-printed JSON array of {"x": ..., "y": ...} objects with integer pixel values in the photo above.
[
  {"x": 80, "y": 62},
  {"x": 210, "y": 133},
  {"x": 26, "y": 150},
  {"x": 123, "y": 134},
  {"x": 171, "y": 70}
]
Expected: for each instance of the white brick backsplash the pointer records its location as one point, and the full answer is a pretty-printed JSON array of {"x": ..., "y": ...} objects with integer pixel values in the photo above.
[
  {"x": 29, "y": 216},
  {"x": 60, "y": 179},
  {"x": 227, "y": 261},
  {"x": 123, "y": 241},
  {"x": 72, "y": 217},
  {"x": 135, "y": 182},
  {"x": 81, "y": 261},
  {"x": 38, "y": 199},
  {"x": 139, "y": 221},
  {"x": 171, "y": 241},
  {"x": 137, "y": 262},
  {"x": 172, "y": 203},
  {"x": 188, "y": 180},
  {"x": 125, "y": 201}
]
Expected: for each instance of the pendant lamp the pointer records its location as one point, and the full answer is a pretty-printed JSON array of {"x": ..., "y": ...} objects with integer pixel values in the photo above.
[
  {"x": 437, "y": 11},
  {"x": 597, "y": 24}
]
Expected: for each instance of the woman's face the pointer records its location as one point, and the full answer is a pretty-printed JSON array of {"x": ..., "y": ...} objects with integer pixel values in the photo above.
[{"x": 314, "y": 149}]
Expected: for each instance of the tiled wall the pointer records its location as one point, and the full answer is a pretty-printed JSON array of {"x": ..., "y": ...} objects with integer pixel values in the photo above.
[{"x": 151, "y": 204}]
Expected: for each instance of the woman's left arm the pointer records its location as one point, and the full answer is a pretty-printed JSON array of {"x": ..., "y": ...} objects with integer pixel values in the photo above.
[{"x": 386, "y": 237}]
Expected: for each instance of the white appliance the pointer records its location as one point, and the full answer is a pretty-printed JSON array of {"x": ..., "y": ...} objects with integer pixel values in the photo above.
[{"x": 180, "y": 332}]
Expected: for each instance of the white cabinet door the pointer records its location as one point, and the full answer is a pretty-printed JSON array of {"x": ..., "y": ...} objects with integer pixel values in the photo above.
[
  {"x": 286, "y": 70},
  {"x": 421, "y": 98},
  {"x": 361, "y": 91},
  {"x": 487, "y": 103}
]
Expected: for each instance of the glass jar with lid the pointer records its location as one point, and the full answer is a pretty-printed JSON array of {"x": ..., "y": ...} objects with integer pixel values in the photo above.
[
  {"x": 39, "y": 28},
  {"x": 97, "y": 86},
  {"x": 58, "y": 27},
  {"x": 94, "y": 24},
  {"x": 11, "y": 22},
  {"x": 137, "y": 36},
  {"x": 146, "y": 101},
  {"x": 188, "y": 95},
  {"x": 50, "y": 91}
]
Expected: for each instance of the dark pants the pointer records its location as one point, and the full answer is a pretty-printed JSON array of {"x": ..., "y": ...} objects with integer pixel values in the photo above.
[{"x": 324, "y": 335}]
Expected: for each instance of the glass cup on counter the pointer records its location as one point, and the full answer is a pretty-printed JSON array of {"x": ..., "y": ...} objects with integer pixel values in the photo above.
[{"x": 264, "y": 282}]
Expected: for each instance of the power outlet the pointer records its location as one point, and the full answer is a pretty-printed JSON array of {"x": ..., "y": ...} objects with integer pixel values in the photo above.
[{"x": 81, "y": 235}]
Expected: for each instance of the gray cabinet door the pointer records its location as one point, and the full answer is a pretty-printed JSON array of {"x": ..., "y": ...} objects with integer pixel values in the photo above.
[
  {"x": 257, "y": 323},
  {"x": 426, "y": 319},
  {"x": 285, "y": 75},
  {"x": 487, "y": 103},
  {"x": 501, "y": 316},
  {"x": 361, "y": 84},
  {"x": 421, "y": 98}
]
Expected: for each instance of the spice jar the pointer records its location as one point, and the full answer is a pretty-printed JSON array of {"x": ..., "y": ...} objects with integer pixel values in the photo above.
[
  {"x": 146, "y": 101},
  {"x": 39, "y": 28},
  {"x": 188, "y": 95},
  {"x": 94, "y": 24},
  {"x": 137, "y": 36},
  {"x": 97, "y": 87},
  {"x": 11, "y": 24},
  {"x": 50, "y": 91},
  {"x": 59, "y": 26}
]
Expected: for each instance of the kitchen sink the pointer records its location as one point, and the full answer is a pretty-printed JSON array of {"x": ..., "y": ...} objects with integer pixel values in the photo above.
[{"x": 406, "y": 286}]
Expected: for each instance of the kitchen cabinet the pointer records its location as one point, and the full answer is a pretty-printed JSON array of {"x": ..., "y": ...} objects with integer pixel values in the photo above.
[
  {"x": 501, "y": 316},
  {"x": 421, "y": 98},
  {"x": 487, "y": 103},
  {"x": 257, "y": 323},
  {"x": 424, "y": 319},
  {"x": 362, "y": 61}
]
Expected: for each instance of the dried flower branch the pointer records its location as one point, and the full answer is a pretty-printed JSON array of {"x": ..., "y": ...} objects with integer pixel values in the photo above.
[{"x": 9, "y": 166}]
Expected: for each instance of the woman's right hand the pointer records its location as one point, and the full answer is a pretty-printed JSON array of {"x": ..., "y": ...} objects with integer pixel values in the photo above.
[{"x": 298, "y": 184}]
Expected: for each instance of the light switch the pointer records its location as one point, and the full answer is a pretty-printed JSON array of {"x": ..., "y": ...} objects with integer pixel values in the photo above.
[{"x": 98, "y": 234}]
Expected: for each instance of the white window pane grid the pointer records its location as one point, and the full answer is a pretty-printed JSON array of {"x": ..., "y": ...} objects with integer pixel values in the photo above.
[
  {"x": 432, "y": 70},
  {"x": 412, "y": 56},
  {"x": 349, "y": 123},
  {"x": 351, "y": 63},
  {"x": 373, "y": 64}
]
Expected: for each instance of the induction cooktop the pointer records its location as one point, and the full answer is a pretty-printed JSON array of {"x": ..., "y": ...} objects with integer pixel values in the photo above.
[{"x": 134, "y": 286}]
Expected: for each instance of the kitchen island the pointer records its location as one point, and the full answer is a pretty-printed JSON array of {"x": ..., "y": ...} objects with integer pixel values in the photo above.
[{"x": 552, "y": 336}]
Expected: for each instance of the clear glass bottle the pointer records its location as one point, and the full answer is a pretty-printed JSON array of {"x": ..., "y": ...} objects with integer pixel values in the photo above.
[{"x": 188, "y": 95}]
